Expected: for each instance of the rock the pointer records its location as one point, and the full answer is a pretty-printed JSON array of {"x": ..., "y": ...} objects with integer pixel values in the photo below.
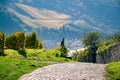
[{"x": 112, "y": 54}]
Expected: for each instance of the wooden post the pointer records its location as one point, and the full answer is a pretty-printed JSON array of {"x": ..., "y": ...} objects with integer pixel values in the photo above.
[{"x": 3, "y": 38}]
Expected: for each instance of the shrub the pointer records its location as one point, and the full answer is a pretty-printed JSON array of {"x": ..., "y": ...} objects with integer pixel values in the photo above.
[{"x": 83, "y": 56}]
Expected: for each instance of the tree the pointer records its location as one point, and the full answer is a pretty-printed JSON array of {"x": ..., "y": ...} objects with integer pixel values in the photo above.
[
  {"x": 21, "y": 40},
  {"x": 11, "y": 42},
  {"x": 39, "y": 44},
  {"x": 2, "y": 40},
  {"x": 92, "y": 37},
  {"x": 62, "y": 42},
  {"x": 63, "y": 49},
  {"x": 31, "y": 40}
]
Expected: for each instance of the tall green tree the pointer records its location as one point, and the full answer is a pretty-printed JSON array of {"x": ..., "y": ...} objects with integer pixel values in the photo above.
[
  {"x": 39, "y": 44},
  {"x": 21, "y": 40},
  {"x": 92, "y": 37},
  {"x": 11, "y": 42},
  {"x": 63, "y": 49},
  {"x": 31, "y": 40}
]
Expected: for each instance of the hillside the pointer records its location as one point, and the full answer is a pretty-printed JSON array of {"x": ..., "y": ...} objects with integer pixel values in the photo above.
[{"x": 16, "y": 63}]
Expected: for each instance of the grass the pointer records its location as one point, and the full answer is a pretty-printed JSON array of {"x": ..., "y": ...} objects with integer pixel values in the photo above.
[
  {"x": 17, "y": 63},
  {"x": 113, "y": 70},
  {"x": 12, "y": 69},
  {"x": 36, "y": 54},
  {"x": 104, "y": 46}
]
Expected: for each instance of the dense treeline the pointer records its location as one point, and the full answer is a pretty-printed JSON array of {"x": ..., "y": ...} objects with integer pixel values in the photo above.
[
  {"x": 19, "y": 41},
  {"x": 16, "y": 41}
]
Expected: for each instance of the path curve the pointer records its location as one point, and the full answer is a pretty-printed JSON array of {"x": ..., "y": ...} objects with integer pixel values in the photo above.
[{"x": 68, "y": 71}]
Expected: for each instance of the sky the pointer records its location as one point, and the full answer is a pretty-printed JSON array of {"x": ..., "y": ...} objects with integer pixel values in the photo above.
[
  {"x": 56, "y": 13},
  {"x": 52, "y": 19}
]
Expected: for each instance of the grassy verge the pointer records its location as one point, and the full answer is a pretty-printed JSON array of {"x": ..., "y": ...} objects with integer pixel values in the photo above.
[
  {"x": 17, "y": 63},
  {"x": 36, "y": 54},
  {"x": 113, "y": 70},
  {"x": 12, "y": 69}
]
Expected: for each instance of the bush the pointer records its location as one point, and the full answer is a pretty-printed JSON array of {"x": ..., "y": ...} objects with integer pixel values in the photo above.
[
  {"x": 83, "y": 56},
  {"x": 104, "y": 46}
]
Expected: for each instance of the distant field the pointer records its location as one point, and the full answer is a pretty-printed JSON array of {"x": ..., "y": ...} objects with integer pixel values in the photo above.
[{"x": 17, "y": 63}]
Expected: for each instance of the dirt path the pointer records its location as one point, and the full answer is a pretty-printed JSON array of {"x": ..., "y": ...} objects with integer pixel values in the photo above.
[{"x": 68, "y": 71}]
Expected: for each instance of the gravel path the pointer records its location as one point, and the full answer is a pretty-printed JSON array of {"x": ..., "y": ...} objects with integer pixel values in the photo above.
[{"x": 68, "y": 71}]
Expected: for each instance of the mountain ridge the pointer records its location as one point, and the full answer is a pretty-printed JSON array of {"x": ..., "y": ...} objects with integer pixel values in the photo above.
[{"x": 57, "y": 19}]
